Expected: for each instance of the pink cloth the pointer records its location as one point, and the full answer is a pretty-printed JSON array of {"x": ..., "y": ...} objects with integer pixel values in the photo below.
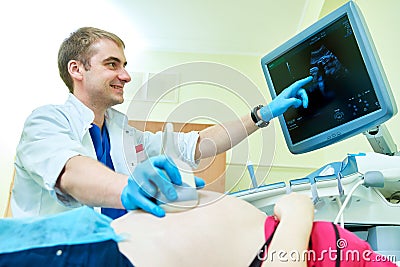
[{"x": 327, "y": 243}]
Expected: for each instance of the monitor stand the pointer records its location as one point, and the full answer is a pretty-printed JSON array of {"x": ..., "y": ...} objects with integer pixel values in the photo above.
[{"x": 381, "y": 140}]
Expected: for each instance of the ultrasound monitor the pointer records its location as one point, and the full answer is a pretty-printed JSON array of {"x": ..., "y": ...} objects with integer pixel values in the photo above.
[{"x": 349, "y": 93}]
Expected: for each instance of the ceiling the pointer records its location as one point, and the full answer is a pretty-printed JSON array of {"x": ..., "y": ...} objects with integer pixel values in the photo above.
[{"x": 251, "y": 27}]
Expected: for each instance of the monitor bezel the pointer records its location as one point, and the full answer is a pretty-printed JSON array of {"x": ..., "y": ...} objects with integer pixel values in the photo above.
[{"x": 374, "y": 69}]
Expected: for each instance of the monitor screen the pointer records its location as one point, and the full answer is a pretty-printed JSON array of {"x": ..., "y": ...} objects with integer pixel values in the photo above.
[{"x": 349, "y": 93}]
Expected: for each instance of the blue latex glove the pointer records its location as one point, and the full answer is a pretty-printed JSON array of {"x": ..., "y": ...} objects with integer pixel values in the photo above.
[
  {"x": 200, "y": 183},
  {"x": 294, "y": 95},
  {"x": 156, "y": 173}
]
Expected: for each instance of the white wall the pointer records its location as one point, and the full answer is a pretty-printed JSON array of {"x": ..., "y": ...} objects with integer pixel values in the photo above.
[{"x": 31, "y": 34}]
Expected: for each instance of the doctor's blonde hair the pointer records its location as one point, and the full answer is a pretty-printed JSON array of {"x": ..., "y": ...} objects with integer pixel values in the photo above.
[{"x": 78, "y": 46}]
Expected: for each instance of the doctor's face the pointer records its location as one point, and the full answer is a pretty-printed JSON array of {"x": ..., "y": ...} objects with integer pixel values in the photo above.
[{"x": 104, "y": 81}]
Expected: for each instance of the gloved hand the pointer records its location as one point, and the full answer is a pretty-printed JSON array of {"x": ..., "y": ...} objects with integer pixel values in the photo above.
[
  {"x": 200, "y": 183},
  {"x": 155, "y": 173},
  {"x": 294, "y": 95}
]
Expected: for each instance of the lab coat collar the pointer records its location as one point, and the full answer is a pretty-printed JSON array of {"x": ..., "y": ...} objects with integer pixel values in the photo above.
[
  {"x": 86, "y": 115},
  {"x": 114, "y": 116}
]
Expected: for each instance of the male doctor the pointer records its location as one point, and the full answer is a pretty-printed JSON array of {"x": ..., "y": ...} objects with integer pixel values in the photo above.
[{"x": 72, "y": 154}]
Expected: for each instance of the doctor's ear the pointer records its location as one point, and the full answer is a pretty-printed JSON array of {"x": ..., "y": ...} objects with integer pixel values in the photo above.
[{"x": 75, "y": 69}]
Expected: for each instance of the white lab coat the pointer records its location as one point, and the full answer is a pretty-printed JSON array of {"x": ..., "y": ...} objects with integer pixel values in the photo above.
[{"x": 53, "y": 134}]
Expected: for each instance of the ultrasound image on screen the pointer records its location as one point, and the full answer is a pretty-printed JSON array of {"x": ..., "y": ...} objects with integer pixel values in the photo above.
[
  {"x": 341, "y": 89},
  {"x": 325, "y": 66}
]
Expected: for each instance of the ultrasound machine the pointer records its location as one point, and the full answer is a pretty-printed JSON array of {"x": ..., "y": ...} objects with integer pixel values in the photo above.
[{"x": 349, "y": 95}]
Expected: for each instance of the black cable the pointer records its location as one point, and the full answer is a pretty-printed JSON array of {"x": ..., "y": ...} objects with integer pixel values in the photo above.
[{"x": 395, "y": 196}]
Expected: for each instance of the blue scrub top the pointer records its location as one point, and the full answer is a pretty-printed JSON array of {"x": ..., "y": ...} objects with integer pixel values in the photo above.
[{"x": 101, "y": 142}]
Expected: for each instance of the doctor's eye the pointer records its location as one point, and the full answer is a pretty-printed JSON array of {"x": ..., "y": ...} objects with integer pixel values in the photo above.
[{"x": 112, "y": 65}]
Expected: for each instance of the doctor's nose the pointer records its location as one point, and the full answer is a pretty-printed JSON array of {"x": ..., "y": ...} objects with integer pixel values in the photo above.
[{"x": 124, "y": 76}]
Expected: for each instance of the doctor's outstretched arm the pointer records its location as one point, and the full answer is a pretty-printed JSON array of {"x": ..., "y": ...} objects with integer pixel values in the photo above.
[
  {"x": 92, "y": 183},
  {"x": 221, "y": 137}
]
